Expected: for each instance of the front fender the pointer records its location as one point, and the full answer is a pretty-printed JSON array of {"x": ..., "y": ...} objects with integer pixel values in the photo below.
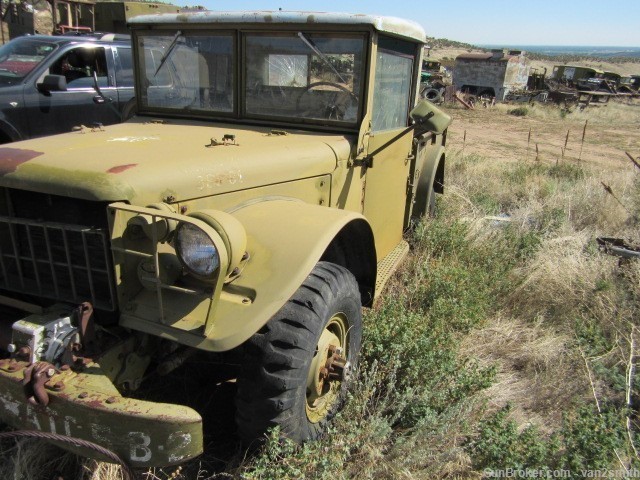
[
  {"x": 285, "y": 239},
  {"x": 430, "y": 179},
  {"x": 8, "y": 133}
]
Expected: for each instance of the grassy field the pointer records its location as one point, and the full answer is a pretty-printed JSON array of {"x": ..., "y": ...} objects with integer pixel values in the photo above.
[{"x": 507, "y": 340}]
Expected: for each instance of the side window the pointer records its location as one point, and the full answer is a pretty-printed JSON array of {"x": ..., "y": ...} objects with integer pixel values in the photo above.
[
  {"x": 392, "y": 90},
  {"x": 124, "y": 66},
  {"x": 78, "y": 64}
]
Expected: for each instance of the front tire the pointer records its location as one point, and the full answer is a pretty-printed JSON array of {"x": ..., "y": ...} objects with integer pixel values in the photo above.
[{"x": 295, "y": 369}]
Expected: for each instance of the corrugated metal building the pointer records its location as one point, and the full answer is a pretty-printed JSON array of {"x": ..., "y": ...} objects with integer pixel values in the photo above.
[{"x": 495, "y": 73}]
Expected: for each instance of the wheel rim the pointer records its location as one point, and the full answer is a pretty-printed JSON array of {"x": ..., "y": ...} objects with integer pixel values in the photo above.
[{"x": 329, "y": 367}]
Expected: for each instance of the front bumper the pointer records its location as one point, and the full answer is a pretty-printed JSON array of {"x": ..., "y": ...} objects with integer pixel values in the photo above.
[{"x": 86, "y": 405}]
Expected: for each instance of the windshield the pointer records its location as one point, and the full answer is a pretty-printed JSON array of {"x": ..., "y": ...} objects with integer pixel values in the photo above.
[
  {"x": 286, "y": 76},
  {"x": 20, "y": 56},
  {"x": 190, "y": 71},
  {"x": 309, "y": 76}
]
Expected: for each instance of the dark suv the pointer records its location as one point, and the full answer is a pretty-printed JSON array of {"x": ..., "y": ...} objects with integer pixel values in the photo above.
[{"x": 51, "y": 84}]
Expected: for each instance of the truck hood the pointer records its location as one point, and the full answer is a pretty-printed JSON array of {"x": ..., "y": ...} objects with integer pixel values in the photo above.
[{"x": 143, "y": 161}]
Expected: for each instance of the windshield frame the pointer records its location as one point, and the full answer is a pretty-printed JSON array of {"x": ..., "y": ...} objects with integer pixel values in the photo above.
[{"x": 239, "y": 115}]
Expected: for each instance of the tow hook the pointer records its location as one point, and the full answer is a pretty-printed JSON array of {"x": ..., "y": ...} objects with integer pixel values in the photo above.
[{"x": 35, "y": 376}]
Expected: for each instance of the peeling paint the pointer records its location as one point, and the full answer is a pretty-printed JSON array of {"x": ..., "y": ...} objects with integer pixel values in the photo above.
[
  {"x": 12, "y": 158},
  {"x": 121, "y": 168}
]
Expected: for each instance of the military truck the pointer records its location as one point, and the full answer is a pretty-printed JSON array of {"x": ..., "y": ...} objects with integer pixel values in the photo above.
[{"x": 248, "y": 212}]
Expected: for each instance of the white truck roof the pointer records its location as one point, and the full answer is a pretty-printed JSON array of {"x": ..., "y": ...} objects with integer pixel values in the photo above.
[{"x": 391, "y": 25}]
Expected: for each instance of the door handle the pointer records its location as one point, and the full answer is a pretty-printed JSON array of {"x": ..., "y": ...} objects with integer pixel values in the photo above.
[{"x": 98, "y": 99}]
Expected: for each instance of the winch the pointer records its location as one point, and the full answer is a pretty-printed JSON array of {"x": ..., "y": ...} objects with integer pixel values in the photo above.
[{"x": 46, "y": 337}]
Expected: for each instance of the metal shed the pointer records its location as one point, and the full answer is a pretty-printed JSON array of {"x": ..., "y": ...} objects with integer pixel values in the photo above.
[{"x": 494, "y": 73}]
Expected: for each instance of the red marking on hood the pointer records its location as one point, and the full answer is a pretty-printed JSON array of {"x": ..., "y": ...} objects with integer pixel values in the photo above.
[
  {"x": 12, "y": 158},
  {"x": 121, "y": 168}
]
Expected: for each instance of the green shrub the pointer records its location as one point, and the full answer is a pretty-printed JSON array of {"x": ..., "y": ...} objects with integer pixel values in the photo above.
[
  {"x": 587, "y": 441},
  {"x": 499, "y": 446},
  {"x": 567, "y": 171},
  {"x": 519, "y": 112}
]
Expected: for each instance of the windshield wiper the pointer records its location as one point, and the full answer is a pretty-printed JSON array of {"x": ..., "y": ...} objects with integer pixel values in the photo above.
[
  {"x": 164, "y": 58},
  {"x": 322, "y": 56}
]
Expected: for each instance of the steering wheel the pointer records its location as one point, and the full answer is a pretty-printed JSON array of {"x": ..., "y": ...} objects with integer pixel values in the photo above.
[{"x": 334, "y": 106}]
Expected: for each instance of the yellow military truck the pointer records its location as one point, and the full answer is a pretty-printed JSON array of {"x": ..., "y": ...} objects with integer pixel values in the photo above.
[{"x": 252, "y": 207}]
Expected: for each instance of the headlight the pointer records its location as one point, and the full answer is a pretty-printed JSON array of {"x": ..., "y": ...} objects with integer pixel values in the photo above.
[{"x": 196, "y": 251}]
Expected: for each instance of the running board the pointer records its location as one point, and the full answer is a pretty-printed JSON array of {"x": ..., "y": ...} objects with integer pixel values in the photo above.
[{"x": 389, "y": 264}]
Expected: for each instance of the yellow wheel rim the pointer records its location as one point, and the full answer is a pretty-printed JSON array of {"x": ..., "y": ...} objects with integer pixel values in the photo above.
[{"x": 323, "y": 392}]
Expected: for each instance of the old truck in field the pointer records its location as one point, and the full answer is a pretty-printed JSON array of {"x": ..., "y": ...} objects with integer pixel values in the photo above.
[{"x": 249, "y": 211}]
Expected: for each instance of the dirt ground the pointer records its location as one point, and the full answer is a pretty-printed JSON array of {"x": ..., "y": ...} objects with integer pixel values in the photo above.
[{"x": 542, "y": 133}]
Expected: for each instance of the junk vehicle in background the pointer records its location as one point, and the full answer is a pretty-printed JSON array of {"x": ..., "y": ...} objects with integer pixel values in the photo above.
[
  {"x": 51, "y": 84},
  {"x": 434, "y": 80},
  {"x": 492, "y": 74},
  {"x": 252, "y": 207}
]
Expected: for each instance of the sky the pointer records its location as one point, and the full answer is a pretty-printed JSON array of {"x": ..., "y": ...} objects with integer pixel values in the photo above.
[{"x": 541, "y": 22}]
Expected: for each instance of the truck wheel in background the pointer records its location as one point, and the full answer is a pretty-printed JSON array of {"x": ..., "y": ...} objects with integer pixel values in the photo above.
[
  {"x": 130, "y": 109},
  {"x": 296, "y": 368}
]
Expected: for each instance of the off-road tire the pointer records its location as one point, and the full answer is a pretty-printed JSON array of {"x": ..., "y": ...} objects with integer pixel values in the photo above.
[{"x": 272, "y": 384}]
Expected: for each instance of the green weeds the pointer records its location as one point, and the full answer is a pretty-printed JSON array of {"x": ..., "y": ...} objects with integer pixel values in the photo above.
[
  {"x": 587, "y": 440},
  {"x": 519, "y": 111}
]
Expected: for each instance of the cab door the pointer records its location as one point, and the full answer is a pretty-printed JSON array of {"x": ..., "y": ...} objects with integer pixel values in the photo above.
[
  {"x": 385, "y": 192},
  {"x": 80, "y": 104}
]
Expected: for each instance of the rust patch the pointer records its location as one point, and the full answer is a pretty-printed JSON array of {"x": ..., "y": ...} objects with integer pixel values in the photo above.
[
  {"x": 121, "y": 168},
  {"x": 12, "y": 158}
]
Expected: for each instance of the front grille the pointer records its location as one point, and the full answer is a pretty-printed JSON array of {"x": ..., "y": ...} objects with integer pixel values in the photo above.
[
  {"x": 60, "y": 262},
  {"x": 55, "y": 260}
]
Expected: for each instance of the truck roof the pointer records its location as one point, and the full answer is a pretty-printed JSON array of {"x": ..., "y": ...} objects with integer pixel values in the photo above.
[{"x": 391, "y": 25}]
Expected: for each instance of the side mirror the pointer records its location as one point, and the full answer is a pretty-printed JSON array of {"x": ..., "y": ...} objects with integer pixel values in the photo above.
[
  {"x": 52, "y": 83},
  {"x": 429, "y": 118}
]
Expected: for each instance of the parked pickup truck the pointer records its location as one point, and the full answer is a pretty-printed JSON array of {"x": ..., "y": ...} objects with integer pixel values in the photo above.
[{"x": 50, "y": 84}]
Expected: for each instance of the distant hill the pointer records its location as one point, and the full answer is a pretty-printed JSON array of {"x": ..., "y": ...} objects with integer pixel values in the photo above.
[{"x": 572, "y": 53}]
